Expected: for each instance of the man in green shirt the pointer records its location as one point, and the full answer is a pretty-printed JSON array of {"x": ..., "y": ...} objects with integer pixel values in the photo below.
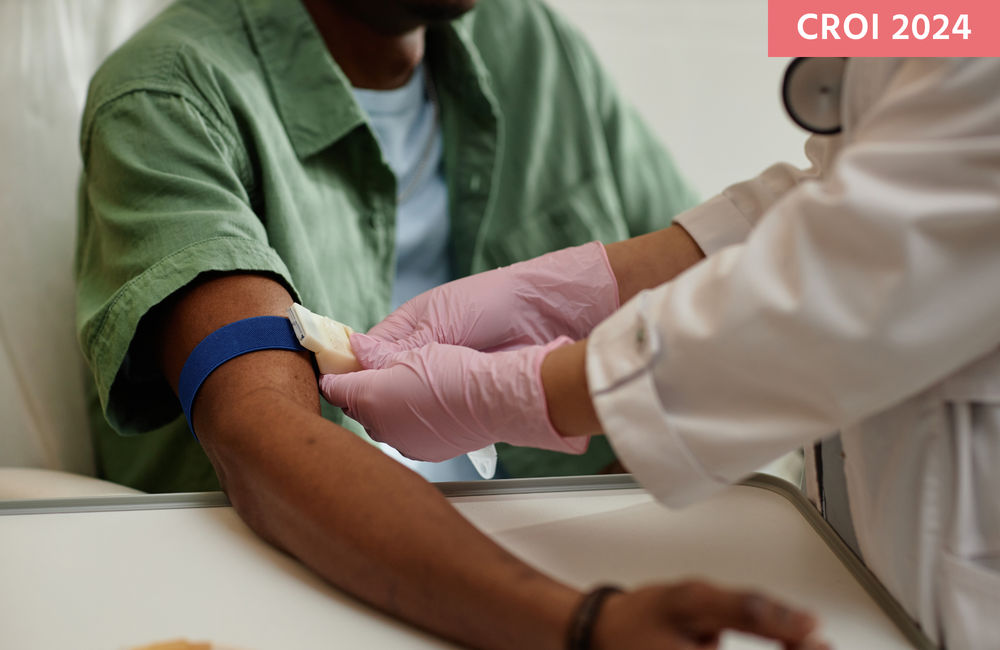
[
  {"x": 229, "y": 171},
  {"x": 229, "y": 131}
]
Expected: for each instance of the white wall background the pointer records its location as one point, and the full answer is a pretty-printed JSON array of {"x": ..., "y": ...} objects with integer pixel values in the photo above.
[{"x": 698, "y": 71}]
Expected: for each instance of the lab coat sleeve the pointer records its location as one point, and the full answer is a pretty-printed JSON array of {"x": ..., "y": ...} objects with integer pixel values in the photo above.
[
  {"x": 852, "y": 293},
  {"x": 728, "y": 218}
]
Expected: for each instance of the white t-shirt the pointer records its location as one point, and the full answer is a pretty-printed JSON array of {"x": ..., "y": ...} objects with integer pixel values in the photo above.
[{"x": 404, "y": 122}]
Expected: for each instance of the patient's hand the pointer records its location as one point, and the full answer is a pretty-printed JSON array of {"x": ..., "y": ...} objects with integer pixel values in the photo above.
[{"x": 692, "y": 615}]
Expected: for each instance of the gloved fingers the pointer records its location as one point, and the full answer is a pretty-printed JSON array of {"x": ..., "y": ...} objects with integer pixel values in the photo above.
[
  {"x": 398, "y": 325},
  {"x": 439, "y": 400},
  {"x": 407, "y": 327},
  {"x": 343, "y": 390},
  {"x": 384, "y": 410},
  {"x": 374, "y": 354}
]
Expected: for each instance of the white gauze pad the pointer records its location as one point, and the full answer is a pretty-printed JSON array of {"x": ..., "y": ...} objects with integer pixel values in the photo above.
[{"x": 329, "y": 340}]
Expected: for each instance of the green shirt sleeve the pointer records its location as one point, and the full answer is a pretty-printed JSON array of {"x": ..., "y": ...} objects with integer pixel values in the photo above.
[
  {"x": 650, "y": 186},
  {"x": 163, "y": 198}
]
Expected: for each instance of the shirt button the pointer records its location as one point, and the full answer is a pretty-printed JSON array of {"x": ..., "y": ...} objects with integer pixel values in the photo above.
[
  {"x": 474, "y": 182},
  {"x": 640, "y": 338}
]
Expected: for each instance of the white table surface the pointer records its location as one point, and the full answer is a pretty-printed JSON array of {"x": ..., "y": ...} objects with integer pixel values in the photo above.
[{"x": 117, "y": 580}]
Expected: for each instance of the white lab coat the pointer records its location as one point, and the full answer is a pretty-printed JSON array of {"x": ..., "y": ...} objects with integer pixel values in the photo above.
[{"x": 862, "y": 295}]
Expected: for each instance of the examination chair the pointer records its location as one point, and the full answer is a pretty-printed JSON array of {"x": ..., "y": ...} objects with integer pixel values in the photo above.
[{"x": 49, "y": 49}]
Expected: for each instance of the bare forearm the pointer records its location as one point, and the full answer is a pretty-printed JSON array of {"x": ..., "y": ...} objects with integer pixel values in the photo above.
[
  {"x": 639, "y": 263},
  {"x": 379, "y": 531},
  {"x": 352, "y": 514},
  {"x": 564, "y": 380},
  {"x": 650, "y": 260}
]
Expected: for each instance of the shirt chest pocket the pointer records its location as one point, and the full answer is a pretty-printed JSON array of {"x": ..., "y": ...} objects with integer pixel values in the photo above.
[{"x": 586, "y": 212}]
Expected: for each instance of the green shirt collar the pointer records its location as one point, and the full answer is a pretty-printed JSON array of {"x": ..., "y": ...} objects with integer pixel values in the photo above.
[
  {"x": 311, "y": 92},
  {"x": 459, "y": 66}
]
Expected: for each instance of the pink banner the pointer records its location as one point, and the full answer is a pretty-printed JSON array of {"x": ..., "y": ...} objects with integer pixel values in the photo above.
[{"x": 883, "y": 28}]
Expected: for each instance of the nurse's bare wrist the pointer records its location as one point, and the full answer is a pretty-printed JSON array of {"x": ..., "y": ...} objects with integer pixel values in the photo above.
[
  {"x": 650, "y": 260},
  {"x": 564, "y": 380}
]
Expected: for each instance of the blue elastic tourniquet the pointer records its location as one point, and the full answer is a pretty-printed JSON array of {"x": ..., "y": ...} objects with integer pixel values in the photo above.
[{"x": 229, "y": 342}]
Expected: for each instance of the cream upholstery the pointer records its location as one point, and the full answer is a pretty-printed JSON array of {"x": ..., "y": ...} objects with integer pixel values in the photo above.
[
  {"x": 48, "y": 51},
  {"x": 28, "y": 483}
]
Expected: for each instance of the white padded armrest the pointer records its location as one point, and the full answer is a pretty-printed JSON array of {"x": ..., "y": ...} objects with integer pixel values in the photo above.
[
  {"x": 25, "y": 483},
  {"x": 48, "y": 51}
]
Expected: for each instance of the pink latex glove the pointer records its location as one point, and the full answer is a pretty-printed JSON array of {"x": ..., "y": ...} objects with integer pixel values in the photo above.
[
  {"x": 440, "y": 401},
  {"x": 565, "y": 293}
]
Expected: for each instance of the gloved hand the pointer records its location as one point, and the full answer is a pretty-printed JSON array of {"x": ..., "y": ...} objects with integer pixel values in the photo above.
[
  {"x": 439, "y": 401},
  {"x": 565, "y": 293}
]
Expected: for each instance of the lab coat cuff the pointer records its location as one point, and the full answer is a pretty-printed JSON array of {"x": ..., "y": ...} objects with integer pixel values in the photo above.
[
  {"x": 623, "y": 345},
  {"x": 715, "y": 224},
  {"x": 633, "y": 419},
  {"x": 620, "y": 356}
]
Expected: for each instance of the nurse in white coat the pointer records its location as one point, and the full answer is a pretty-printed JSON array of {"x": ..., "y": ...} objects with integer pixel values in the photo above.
[{"x": 861, "y": 296}]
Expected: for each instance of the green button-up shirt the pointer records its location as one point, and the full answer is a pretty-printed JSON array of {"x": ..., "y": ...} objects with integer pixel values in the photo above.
[{"x": 223, "y": 137}]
